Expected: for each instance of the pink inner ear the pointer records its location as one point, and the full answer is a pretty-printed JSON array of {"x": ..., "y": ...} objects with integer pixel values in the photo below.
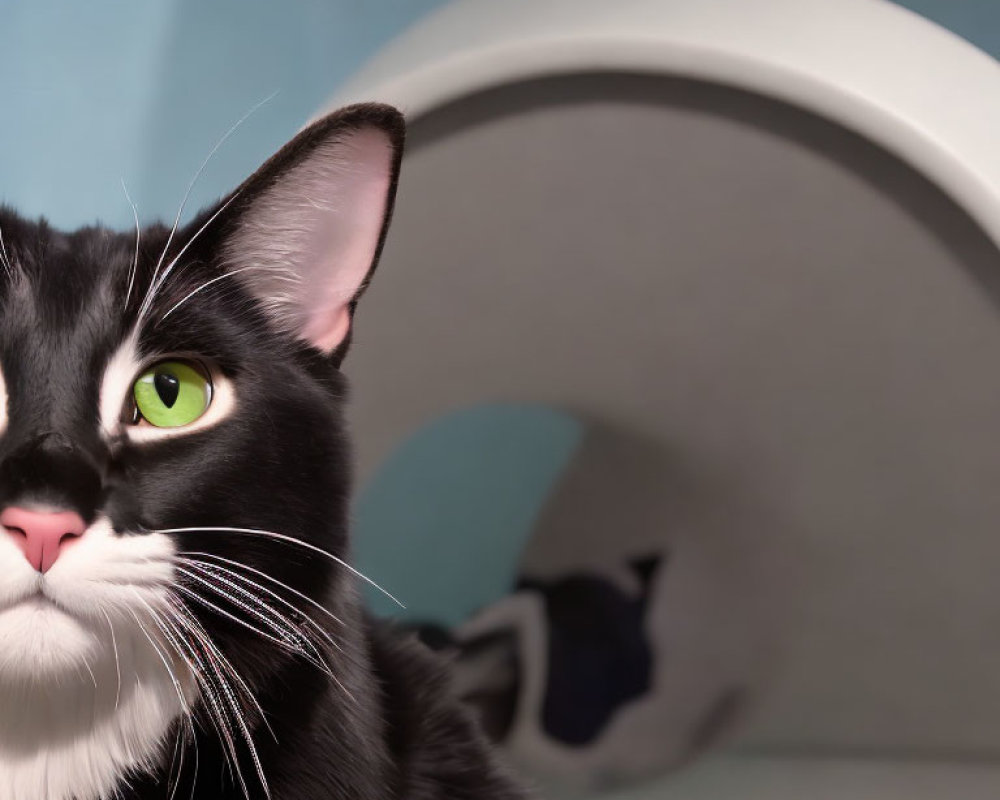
[
  {"x": 314, "y": 235},
  {"x": 346, "y": 236},
  {"x": 326, "y": 334}
]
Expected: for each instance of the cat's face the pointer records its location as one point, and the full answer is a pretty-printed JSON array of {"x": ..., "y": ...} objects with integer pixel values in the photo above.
[{"x": 171, "y": 455}]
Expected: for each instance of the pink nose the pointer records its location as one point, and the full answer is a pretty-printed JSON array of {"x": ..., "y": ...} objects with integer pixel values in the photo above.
[{"x": 42, "y": 534}]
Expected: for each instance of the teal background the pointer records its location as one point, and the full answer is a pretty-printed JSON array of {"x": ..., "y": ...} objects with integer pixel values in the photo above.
[
  {"x": 141, "y": 90},
  {"x": 452, "y": 508},
  {"x": 109, "y": 89}
]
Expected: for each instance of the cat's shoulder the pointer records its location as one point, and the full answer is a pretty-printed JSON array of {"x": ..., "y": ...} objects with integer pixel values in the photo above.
[{"x": 439, "y": 746}]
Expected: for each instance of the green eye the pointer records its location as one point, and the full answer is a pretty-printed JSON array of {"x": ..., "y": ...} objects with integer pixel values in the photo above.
[{"x": 172, "y": 393}]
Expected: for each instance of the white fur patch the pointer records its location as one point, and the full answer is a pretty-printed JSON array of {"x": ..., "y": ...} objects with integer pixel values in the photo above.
[
  {"x": 70, "y": 727},
  {"x": 116, "y": 387}
]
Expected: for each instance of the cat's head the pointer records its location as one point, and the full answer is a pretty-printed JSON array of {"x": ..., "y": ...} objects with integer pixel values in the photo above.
[{"x": 173, "y": 472}]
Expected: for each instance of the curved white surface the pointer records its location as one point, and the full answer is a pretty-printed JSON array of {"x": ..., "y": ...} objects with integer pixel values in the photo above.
[
  {"x": 876, "y": 68},
  {"x": 749, "y": 778}
]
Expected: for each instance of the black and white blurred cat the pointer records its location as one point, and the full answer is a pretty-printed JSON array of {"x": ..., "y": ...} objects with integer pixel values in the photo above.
[{"x": 175, "y": 619}]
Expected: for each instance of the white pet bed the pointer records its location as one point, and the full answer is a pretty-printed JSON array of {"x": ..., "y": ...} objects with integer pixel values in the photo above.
[{"x": 760, "y": 238}]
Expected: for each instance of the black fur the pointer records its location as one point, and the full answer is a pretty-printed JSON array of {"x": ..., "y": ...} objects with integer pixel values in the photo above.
[{"x": 279, "y": 463}]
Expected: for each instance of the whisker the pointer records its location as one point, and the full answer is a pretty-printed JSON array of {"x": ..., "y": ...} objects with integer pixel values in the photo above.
[
  {"x": 178, "y": 649},
  {"x": 207, "y": 565},
  {"x": 215, "y": 657},
  {"x": 163, "y": 658},
  {"x": 197, "y": 764},
  {"x": 135, "y": 258},
  {"x": 4, "y": 257},
  {"x": 291, "y": 540},
  {"x": 156, "y": 283},
  {"x": 238, "y": 716},
  {"x": 201, "y": 600},
  {"x": 176, "y": 779},
  {"x": 211, "y": 571},
  {"x": 266, "y": 576},
  {"x": 91, "y": 672},
  {"x": 194, "y": 181},
  {"x": 196, "y": 629},
  {"x": 205, "y": 285},
  {"x": 298, "y": 637},
  {"x": 211, "y": 684},
  {"x": 118, "y": 666},
  {"x": 185, "y": 708},
  {"x": 288, "y": 636}
]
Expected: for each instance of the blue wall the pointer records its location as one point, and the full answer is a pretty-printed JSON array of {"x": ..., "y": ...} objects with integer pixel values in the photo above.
[
  {"x": 975, "y": 20},
  {"x": 107, "y": 90},
  {"x": 110, "y": 89}
]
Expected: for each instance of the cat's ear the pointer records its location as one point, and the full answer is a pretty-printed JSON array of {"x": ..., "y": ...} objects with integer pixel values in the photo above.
[{"x": 305, "y": 231}]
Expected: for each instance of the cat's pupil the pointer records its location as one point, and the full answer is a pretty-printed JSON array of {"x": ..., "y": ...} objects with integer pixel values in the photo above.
[{"x": 167, "y": 387}]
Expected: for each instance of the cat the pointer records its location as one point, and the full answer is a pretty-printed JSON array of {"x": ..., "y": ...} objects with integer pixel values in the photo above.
[
  {"x": 177, "y": 616},
  {"x": 558, "y": 657}
]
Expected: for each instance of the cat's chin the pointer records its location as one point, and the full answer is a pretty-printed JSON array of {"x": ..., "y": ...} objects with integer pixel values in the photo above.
[
  {"x": 43, "y": 642},
  {"x": 80, "y": 705}
]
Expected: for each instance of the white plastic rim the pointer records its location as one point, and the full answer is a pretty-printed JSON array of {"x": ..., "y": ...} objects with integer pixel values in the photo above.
[{"x": 896, "y": 78}]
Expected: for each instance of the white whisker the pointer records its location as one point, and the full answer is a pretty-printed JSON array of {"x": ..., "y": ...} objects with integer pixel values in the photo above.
[
  {"x": 135, "y": 258},
  {"x": 211, "y": 688},
  {"x": 205, "y": 285},
  {"x": 178, "y": 649},
  {"x": 180, "y": 765},
  {"x": 194, "y": 181},
  {"x": 291, "y": 540},
  {"x": 208, "y": 568},
  {"x": 91, "y": 672},
  {"x": 211, "y": 571},
  {"x": 296, "y": 640},
  {"x": 266, "y": 576},
  {"x": 284, "y": 628},
  {"x": 206, "y": 641},
  {"x": 282, "y": 639},
  {"x": 236, "y": 711},
  {"x": 4, "y": 257},
  {"x": 186, "y": 652},
  {"x": 163, "y": 658},
  {"x": 156, "y": 283},
  {"x": 118, "y": 666},
  {"x": 197, "y": 764}
]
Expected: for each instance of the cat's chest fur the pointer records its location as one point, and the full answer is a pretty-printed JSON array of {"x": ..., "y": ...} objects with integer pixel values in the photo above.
[
  {"x": 77, "y": 740},
  {"x": 89, "y": 765}
]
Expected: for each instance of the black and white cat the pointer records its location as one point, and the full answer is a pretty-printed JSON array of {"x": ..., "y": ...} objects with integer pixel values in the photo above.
[{"x": 175, "y": 616}]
